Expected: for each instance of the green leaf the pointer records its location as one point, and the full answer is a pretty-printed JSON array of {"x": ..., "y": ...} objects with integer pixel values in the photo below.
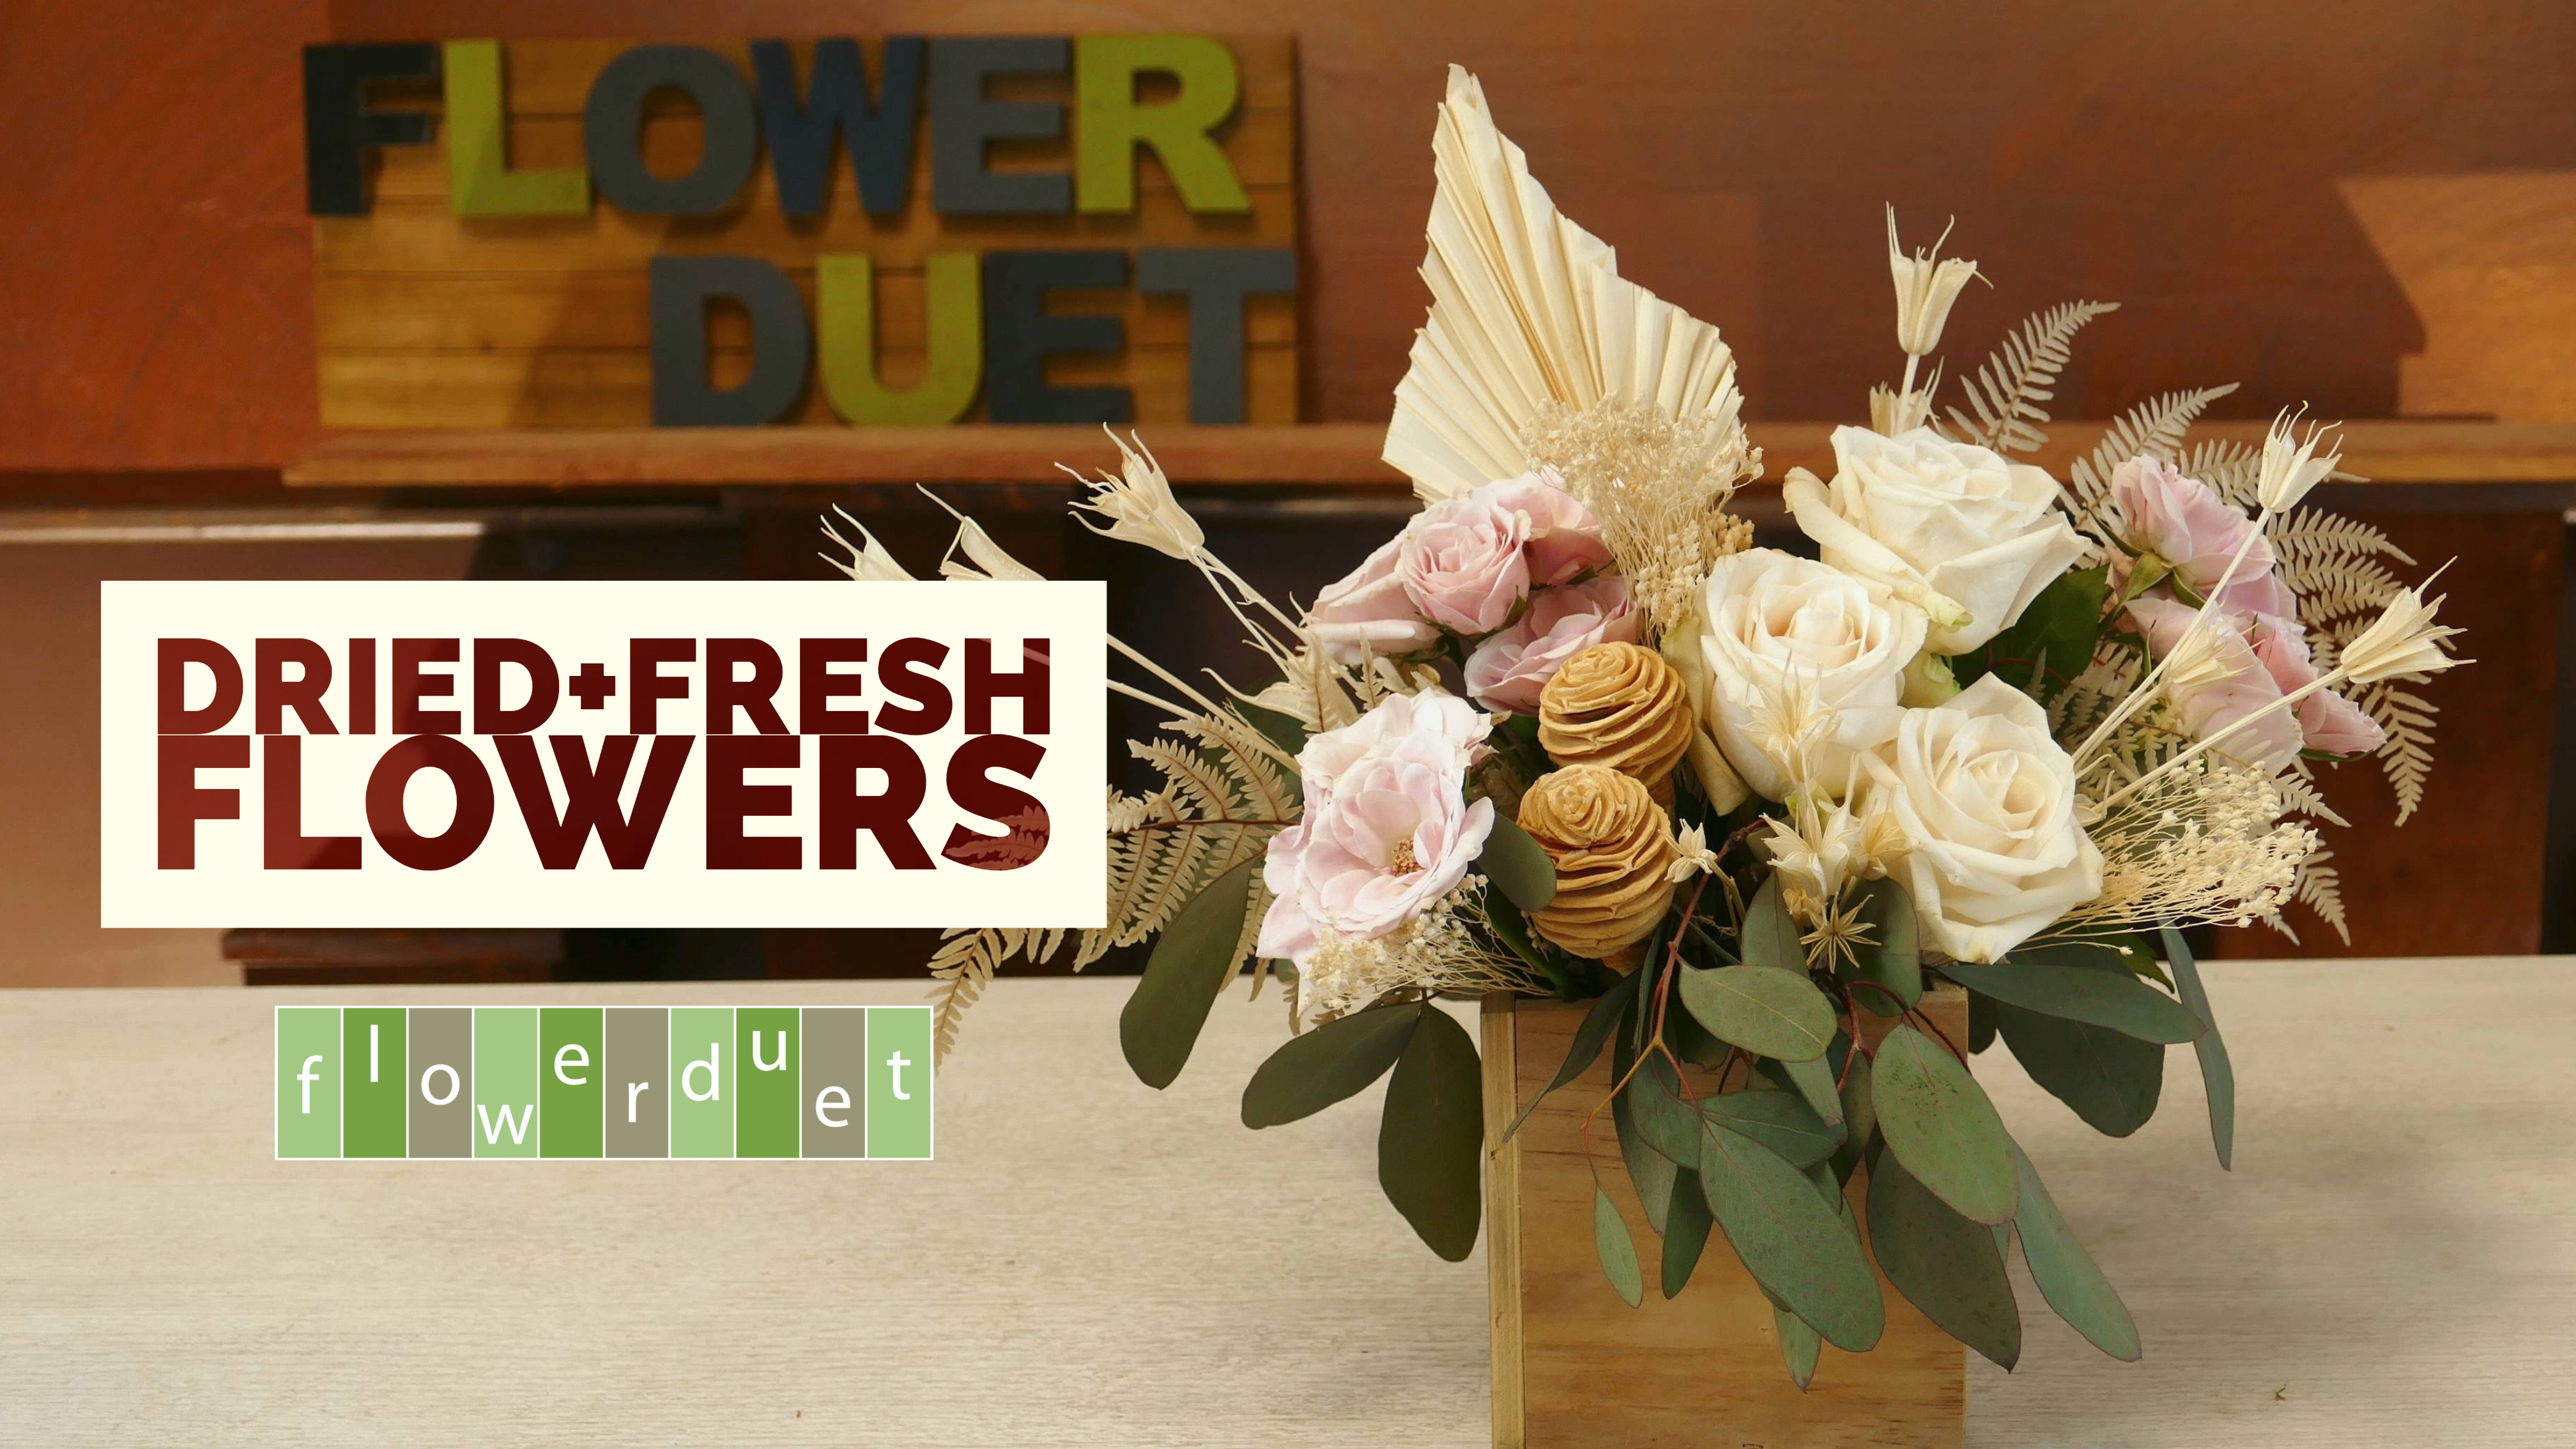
[
  {"x": 1860, "y": 1109},
  {"x": 1766, "y": 1011},
  {"x": 1332, "y": 1062},
  {"x": 2051, "y": 642},
  {"x": 2216, "y": 1072},
  {"x": 1432, "y": 1138},
  {"x": 1770, "y": 936},
  {"x": 1278, "y": 728},
  {"x": 1585, "y": 1049},
  {"x": 1512, "y": 929},
  {"x": 1893, "y": 959},
  {"x": 1686, "y": 1224},
  {"x": 1814, "y": 1080},
  {"x": 1781, "y": 1121},
  {"x": 1981, "y": 1023},
  {"x": 1649, "y": 1171},
  {"x": 1937, "y": 1121},
  {"x": 1944, "y": 1264},
  {"x": 2066, "y": 1274},
  {"x": 1793, "y": 1243},
  {"x": 1799, "y": 1346},
  {"x": 1191, "y": 963},
  {"x": 1669, "y": 1124},
  {"x": 1517, "y": 866},
  {"x": 1618, "y": 1251},
  {"x": 2110, "y": 1079},
  {"x": 2106, "y": 994}
]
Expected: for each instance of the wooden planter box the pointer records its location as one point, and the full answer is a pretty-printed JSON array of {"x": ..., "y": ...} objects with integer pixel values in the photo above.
[{"x": 1575, "y": 1367}]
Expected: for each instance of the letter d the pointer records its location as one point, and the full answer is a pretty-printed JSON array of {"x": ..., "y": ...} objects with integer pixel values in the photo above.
[{"x": 715, "y": 1078}]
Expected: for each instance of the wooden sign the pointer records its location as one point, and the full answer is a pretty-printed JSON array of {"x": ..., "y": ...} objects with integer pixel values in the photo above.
[{"x": 907, "y": 231}]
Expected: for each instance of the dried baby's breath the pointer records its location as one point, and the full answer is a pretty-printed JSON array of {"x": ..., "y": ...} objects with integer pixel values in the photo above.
[{"x": 1659, "y": 486}]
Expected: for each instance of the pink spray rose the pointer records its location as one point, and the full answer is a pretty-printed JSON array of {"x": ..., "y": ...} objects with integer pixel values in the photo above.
[
  {"x": 1387, "y": 829},
  {"x": 1564, "y": 538},
  {"x": 1468, "y": 561},
  {"x": 2243, "y": 690},
  {"x": 1368, "y": 612},
  {"x": 1507, "y": 671},
  {"x": 2327, "y": 721},
  {"x": 2184, "y": 522}
]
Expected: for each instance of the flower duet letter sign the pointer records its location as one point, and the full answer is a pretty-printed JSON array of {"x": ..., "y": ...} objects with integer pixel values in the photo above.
[
  {"x": 595, "y": 754},
  {"x": 905, "y": 230}
]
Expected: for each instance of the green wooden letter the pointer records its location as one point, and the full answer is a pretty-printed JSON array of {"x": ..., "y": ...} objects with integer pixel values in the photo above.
[
  {"x": 1109, "y": 124},
  {"x": 953, "y": 364},
  {"x": 479, "y": 179}
]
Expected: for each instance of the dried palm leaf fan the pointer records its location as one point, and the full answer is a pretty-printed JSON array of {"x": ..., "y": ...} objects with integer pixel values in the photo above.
[{"x": 1527, "y": 310}]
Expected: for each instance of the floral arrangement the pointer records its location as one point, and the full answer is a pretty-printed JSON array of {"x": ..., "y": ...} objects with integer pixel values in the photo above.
[{"x": 1572, "y": 733}]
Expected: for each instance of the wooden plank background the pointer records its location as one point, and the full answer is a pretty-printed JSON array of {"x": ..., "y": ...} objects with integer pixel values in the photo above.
[{"x": 427, "y": 319}]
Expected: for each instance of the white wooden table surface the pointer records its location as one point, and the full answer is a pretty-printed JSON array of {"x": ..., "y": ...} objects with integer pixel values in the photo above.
[{"x": 1094, "y": 1263}]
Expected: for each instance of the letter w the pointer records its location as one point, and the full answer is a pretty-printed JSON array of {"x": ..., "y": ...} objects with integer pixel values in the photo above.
[
  {"x": 517, "y": 1125},
  {"x": 590, "y": 795}
]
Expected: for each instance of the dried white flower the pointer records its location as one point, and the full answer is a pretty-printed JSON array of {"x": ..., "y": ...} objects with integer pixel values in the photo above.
[
  {"x": 986, "y": 560},
  {"x": 1925, "y": 288},
  {"x": 870, "y": 560},
  {"x": 1691, "y": 855},
  {"x": 1438, "y": 950},
  {"x": 2404, "y": 640},
  {"x": 1139, "y": 504},
  {"x": 2290, "y": 469}
]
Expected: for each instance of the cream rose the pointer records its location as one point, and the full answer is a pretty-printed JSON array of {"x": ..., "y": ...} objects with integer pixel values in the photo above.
[
  {"x": 1765, "y": 618},
  {"x": 1984, "y": 799},
  {"x": 1387, "y": 829},
  {"x": 1950, "y": 527}
]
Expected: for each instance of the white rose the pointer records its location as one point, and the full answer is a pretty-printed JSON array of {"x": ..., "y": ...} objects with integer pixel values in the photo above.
[
  {"x": 1985, "y": 800},
  {"x": 1953, "y": 528},
  {"x": 1767, "y": 620}
]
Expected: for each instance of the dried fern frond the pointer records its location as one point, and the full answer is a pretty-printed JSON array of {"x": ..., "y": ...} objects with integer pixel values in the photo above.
[
  {"x": 2153, "y": 429},
  {"x": 966, "y": 962},
  {"x": 2006, "y": 392},
  {"x": 1220, "y": 803},
  {"x": 2321, "y": 890},
  {"x": 2407, "y": 756}
]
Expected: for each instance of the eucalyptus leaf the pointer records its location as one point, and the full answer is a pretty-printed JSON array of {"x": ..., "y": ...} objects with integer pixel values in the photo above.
[
  {"x": 1192, "y": 961},
  {"x": 2217, "y": 1073},
  {"x": 1860, "y": 1109},
  {"x": 1799, "y": 1346},
  {"x": 1793, "y": 1243},
  {"x": 1585, "y": 1049},
  {"x": 1334, "y": 1061},
  {"x": 1814, "y": 1080},
  {"x": 1278, "y": 728},
  {"x": 1517, "y": 866},
  {"x": 1892, "y": 959},
  {"x": 1649, "y": 1171},
  {"x": 1764, "y": 1010},
  {"x": 2052, "y": 640},
  {"x": 1937, "y": 1121},
  {"x": 2066, "y": 1275},
  {"x": 1669, "y": 1124},
  {"x": 1512, "y": 929},
  {"x": 1781, "y": 1121},
  {"x": 2109, "y": 1078},
  {"x": 2103, "y": 995},
  {"x": 1981, "y": 1023},
  {"x": 1686, "y": 1225},
  {"x": 1770, "y": 936},
  {"x": 1617, "y": 1250},
  {"x": 1944, "y": 1264},
  {"x": 1431, "y": 1139}
]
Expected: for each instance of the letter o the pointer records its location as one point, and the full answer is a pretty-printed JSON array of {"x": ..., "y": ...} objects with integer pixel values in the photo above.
[
  {"x": 454, "y": 1084},
  {"x": 613, "y": 122},
  {"x": 392, "y": 828}
]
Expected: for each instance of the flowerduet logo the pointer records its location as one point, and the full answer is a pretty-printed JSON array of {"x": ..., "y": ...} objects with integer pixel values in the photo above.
[{"x": 555, "y": 754}]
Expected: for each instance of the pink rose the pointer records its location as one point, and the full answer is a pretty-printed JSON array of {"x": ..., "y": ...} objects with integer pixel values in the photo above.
[
  {"x": 1433, "y": 714},
  {"x": 1564, "y": 538},
  {"x": 1368, "y": 612},
  {"x": 1391, "y": 834},
  {"x": 2245, "y": 689},
  {"x": 2329, "y": 722},
  {"x": 1461, "y": 562},
  {"x": 1508, "y": 670},
  {"x": 2184, "y": 522}
]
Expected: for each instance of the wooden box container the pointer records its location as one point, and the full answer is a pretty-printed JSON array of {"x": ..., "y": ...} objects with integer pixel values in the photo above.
[{"x": 1575, "y": 1367}]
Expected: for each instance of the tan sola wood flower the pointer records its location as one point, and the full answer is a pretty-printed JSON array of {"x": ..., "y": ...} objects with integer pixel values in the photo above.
[
  {"x": 1622, "y": 707},
  {"x": 1613, "y": 850}
]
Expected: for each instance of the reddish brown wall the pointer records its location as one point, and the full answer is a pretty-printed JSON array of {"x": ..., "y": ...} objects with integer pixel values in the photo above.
[{"x": 2302, "y": 196}]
